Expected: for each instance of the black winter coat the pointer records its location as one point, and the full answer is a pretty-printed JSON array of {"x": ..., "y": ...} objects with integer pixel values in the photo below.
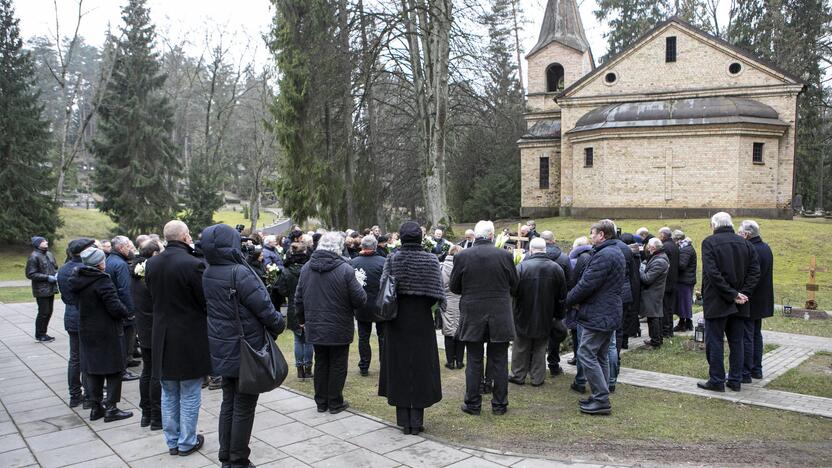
[
  {"x": 180, "y": 323},
  {"x": 142, "y": 303},
  {"x": 228, "y": 270},
  {"x": 729, "y": 267},
  {"x": 100, "y": 333},
  {"x": 541, "y": 291},
  {"x": 762, "y": 299},
  {"x": 630, "y": 325},
  {"x": 672, "y": 252},
  {"x": 39, "y": 267},
  {"x": 372, "y": 265},
  {"x": 598, "y": 292},
  {"x": 486, "y": 278},
  {"x": 629, "y": 273},
  {"x": 286, "y": 285},
  {"x": 325, "y": 298},
  {"x": 687, "y": 264},
  {"x": 71, "y": 314}
]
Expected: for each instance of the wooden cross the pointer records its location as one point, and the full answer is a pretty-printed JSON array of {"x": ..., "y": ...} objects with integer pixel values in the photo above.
[
  {"x": 812, "y": 285},
  {"x": 668, "y": 167},
  {"x": 518, "y": 238}
]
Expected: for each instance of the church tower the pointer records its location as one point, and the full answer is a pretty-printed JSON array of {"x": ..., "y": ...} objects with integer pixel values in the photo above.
[{"x": 561, "y": 56}]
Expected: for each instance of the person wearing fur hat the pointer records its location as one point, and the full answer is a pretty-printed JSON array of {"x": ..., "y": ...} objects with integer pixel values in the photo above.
[{"x": 41, "y": 269}]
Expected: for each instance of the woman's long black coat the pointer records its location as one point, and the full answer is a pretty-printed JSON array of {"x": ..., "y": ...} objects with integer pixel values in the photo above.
[
  {"x": 100, "y": 330},
  {"x": 409, "y": 374}
]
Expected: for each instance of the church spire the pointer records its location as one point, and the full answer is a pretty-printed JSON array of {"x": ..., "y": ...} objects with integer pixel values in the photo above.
[{"x": 562, "y": 23}]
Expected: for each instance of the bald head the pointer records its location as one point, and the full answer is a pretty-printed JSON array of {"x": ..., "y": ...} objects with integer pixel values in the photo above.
[{"x": 177, "y": 231}]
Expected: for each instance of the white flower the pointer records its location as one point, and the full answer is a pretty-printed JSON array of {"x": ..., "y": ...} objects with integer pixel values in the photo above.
[
  {"x": 272, "y": 267},
  {"x": 139, "y": 271},
  {"x": 361, "y": 276}
]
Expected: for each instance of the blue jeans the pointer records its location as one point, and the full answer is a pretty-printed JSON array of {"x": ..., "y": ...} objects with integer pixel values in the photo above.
[
  {"x": 613, "y": 360},
  {"x": 593, "y": 354},
  {"x": 180, "y": 412},
  {"x": 580, "y": 378},
  {"x": 303, "y": 350},
  {"x": 752, "y": 343}
]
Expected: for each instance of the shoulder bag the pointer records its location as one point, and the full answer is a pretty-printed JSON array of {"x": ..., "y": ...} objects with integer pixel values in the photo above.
[
  {"x": 387, "y": 304},
  {"x": 261, "y": 370}
]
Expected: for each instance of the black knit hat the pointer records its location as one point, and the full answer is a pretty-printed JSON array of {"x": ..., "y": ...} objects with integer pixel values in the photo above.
[{"x": 410, "y": 233}]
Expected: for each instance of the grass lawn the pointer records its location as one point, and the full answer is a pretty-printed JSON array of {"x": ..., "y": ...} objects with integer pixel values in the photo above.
[
  {"x": 798, "y": 325},
  {"x": 646, "y": 424},
  {"x": 674, "y": 358},
  {"x": 231, "y": 218},
  {"x": 812, "y": 377}
]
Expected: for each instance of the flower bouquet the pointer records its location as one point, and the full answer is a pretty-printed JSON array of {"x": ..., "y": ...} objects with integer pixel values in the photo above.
[
  {"x": 518, "y": 255},
  {"x": 139, "y": 270},
  {"x": 428, "y": 244},
  {"x": 500, "y": 241},
  {"x": 393, "y": 245},
  {"x": 272, "y": 272}
]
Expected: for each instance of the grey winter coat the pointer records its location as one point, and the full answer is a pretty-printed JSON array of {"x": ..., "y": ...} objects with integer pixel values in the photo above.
[
  {"x": 450, "y": 314},
  {"x": 653, "y": 275}
]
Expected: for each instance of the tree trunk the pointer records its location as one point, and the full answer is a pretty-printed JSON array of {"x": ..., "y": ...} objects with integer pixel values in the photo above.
[{"x": 346, "y": 111}]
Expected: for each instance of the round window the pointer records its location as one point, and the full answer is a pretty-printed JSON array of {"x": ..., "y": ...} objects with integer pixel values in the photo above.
[
  {"x": 610, "y": 77},
  {"x": 734, "y": 68}
]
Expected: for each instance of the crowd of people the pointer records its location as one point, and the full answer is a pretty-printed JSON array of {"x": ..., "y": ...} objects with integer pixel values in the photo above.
[{"x": 183, "y": 305}]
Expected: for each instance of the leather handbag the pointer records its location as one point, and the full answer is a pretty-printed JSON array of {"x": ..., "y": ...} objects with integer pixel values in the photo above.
[
  {"x": 387, "y": 304},
  {"x": 261, "y": 370}
]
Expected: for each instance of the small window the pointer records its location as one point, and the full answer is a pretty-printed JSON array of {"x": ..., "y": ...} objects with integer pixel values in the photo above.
[
  {"x": 588, "y": 157},
  {"x": 544, "y": 173},
  {"x": 757, "y": 154},
  {"x": 734, "y": 68},
  {"x": 610, "y": 77},
  {"x": 670, "y": 49},
  {"x": 554, "y": 78}
]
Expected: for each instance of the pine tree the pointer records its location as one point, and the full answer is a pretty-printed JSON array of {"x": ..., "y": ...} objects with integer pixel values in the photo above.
[
  {"x": 137, "y": 168},
  {"x": 628, "y": 20},
  {"x": 26, "y": 205}
]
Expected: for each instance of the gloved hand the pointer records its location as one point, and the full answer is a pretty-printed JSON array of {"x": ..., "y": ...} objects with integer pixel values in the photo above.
[{"x": 52, "y": 278}]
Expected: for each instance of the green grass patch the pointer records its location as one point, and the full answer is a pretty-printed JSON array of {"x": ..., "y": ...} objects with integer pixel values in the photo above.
[
  {"x": 798, "y": 325},
  {"x": 22, "y": 294},
  {"x": 546, "y": 420},
  {"x": 676, "y": 356},
  {"x": 812, "y": 377},
  {"x": 232, "y": 218}
]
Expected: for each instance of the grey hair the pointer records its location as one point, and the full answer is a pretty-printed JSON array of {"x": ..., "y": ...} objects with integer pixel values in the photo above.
[
  {"x": 269, "y": 238},
  {"x": 721, "y": 219},
  {"x": 548, "y": 236},
  {"x": 642, "y": 230},
  {"x": 175, "y": 230},
  {"x": 118, "y": 241},
  {"x": 484, "y": 229},
  {"x": 678, "y": 235},
  {"x": 369, "y": 242},
  {"x": 469, "y": 232},
  {"x": 307, "y": 240},
  {"x": 665, "y": 233},
  {"x": 751, "y": 227},
  {"x": 332, "y": 242},
  {"x": 537, "y": 245},
  {"x": 583, "y": 240},
  {"x": 656, "y": 243}
]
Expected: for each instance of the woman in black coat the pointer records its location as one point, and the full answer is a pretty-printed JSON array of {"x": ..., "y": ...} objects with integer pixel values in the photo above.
[
  {"x": 150, "y": 390},
  {"x": 101, "y": 334},
  {"x": 409, "y": 375}
]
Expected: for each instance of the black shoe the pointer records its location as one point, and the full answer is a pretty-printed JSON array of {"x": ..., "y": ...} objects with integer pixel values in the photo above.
[
  {"x": 173, "y": 452},
  {"x": 469, "y": 410},
  {"x": 133, "y": 363},
  {"x": 145, "y": 421},
  {"x": 450, "y": 365},
  {"x": 553, "y": 371},
  {"x": 322, "y": 409},
  {"x": 572, "y": 361},
  {"x": 86, "y": 404},
  {"x": 155, "y": 425},
  {"x": 45, "y": 339},
  {"x": 407, "y": 430},
  {"x": 340, "y": 408},
  {"x": 75, "y": 402},
  {"x": 578, "y": 388},
  {"x": 301, "y": 375},
  {"x": 307, "y": 370},
  {"x": 499, "y": 410},
  {"x": 128, "y": 376},
  {"x": 417, "y": 430},
  {"x": 460, "y": 365},
  {"x": 596, "y": 407},
  {"x": 736, "y": 387},
  {"x": 707, "y": 385},
  {"x": 537, "y": 384},
  {"x": 747, "y": 380},
  {"x": 757, "y": 376},
  {"x": 97, "y": 412},
  {"x": 200, "y": 440},
  {"x": 650, "y": 344},
  {"x": 681, "y": 326},
  {"x": 585, "y": 401},
  {"x": 517, "y": 381},
  {"x": 115, "y": 414},
  {"x": 364, "y": 372},
  {"x": 612, "y": 388},
  {"x": 689, "y": 324}
]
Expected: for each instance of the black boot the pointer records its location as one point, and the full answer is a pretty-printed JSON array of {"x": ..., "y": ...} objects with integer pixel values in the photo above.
[
  {"x": 301, "y": 373},
  {"x": 114, "y": 414},
  {"x": 97, "y": 411},
  {"x": 307, "y": 371},
  {"x": 681, "y": 326},
  {"x": 689, "y": 323}
]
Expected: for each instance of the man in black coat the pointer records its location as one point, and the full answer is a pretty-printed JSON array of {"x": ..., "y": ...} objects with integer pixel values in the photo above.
[
  {"x": 541, "y": 291},
  {"x": 761, "y": 303},
  {"x": 41, "y": 269},
  {"x": 669, "y": 301},
  {"x": 558, "y": 333},
  {"x": 150, "y": 390},
  {"x": 118, "y": 267},
  {"x": 730, "y": 272},
  {"x": 181, "y": 358},
  {"x": 371, "y": 264},
  {"x": 486, "y": 279}
]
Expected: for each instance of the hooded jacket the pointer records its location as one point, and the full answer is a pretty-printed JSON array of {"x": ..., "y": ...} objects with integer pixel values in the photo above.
[
  {"x": 325, "y": 298},
  {"x": 100, "y": 333},
  {"x": 227, "y": 270}
]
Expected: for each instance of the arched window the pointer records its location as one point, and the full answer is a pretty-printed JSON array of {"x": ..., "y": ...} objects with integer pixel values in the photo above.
[{"x": 554, "y": 78}]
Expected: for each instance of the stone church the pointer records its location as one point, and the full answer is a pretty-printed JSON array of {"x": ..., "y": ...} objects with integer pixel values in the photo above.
[{"x": 680, "y": 124}]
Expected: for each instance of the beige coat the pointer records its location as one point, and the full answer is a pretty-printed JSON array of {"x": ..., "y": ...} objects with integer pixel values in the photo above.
[{"x": 450, "y": 314}]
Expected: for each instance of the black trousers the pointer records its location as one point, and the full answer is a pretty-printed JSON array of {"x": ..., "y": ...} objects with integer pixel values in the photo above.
[
  {"x": 454, "y": 350},
  {"x": 365, "y": 352},
  {"x": 496, "y": 370},
  {"x": 330, "y": 375},
  {"x": 668, "y": 302},
  {"x": 236, "y": 422},
  {"x": 150, "y": 390},
  {"x": 732, "y": 328},
  {"x": 45, "y": 307},
  {"x": 74, "y": 379},
  {"x": 654, "y": 328},
  {"x": 95, "y": 384},
  {"x": 573, "y": 332},
  {"x": 410, "y": 417},
  {"x": 129, "y": 342},
  {"x": 557, "y": 334}
]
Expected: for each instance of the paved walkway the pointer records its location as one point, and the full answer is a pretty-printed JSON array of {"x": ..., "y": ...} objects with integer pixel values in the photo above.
[
  {"x": 38, "y": 428},
  {"x": 15, "y": 283}
]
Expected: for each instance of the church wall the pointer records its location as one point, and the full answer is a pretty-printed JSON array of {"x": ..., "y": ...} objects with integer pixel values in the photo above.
[
  {"x": 533, "y": 200},
  {"x": 575, "y": 65},
  {"x": 758, "y": 183},
  {"x": 786, "y": 107}
]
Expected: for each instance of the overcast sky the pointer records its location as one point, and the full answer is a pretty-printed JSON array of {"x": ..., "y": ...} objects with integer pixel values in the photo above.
[{"x": 244, "y": 20}]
